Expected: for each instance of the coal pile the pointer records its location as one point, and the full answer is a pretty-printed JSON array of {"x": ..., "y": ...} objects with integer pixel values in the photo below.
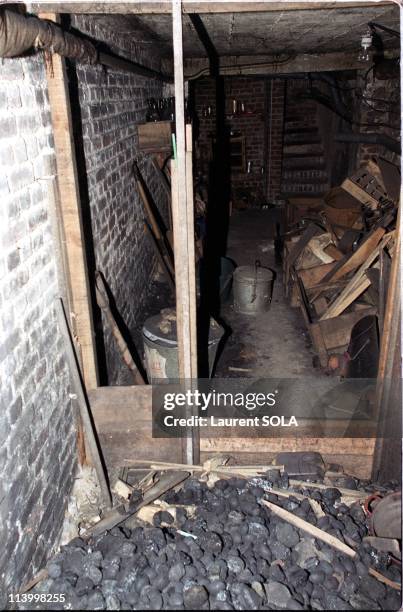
[{"x": 231, "y": 554}]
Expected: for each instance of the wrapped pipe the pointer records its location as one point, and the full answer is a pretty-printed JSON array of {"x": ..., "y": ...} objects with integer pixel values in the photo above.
[{"x": 18, "y": 34}]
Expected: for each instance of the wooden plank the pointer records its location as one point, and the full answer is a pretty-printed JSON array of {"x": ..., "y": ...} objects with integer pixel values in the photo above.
[
  {"x": 183, "y": 234},
  {"x": 357, "y": 465},
  {"x": 387, "y": 458},
  {"x": 320, "y": 306},
  {"x": 83, "y": 405},
  {"x": 336, "y": 332},
  {"x": 192, "y": 277},
  {"x": 360, "y": 194},
  {"x": 155, "y": 136},
  {"x": 267, "y": 65},
  {"x": 349, "y": 294},
  {"x": 191, "y": 249},
  {"x": 333, "y": 251},
  {"x": 142, "y": 7},
  {"x": 330, "y": 446},
  {"x": 312, "y": 276},
  {"x": 355, "y": 455},
  {"x": 79, "y": 306},
  {"x": 123, "y": 420},
  {"x": 306, "y": 236},
  {"x": 357, "y": 284},
  {"x": 359, "y": 256}
]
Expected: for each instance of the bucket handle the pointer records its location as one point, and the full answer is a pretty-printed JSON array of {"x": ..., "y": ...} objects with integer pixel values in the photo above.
[{"x": 254, "y": 288}]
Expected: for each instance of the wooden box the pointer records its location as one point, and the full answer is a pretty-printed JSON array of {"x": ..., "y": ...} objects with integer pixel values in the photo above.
[{"x": 155, "y": 137}]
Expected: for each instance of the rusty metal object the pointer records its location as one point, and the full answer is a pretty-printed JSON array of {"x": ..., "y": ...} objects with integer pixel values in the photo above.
[{"x": 385, "y": 515}]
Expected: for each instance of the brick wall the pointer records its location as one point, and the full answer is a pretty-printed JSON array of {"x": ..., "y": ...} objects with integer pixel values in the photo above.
[
  {"x": 37, "y": 419},
  {"x": 262, "y": 100},
  {"x": 112, "y": 103},
  {"x": 276, "y": 100}
]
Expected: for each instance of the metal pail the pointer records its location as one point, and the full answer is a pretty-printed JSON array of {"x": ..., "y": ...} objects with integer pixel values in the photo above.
[
  {"x": 253, "y": 287},
  {"x": 161, "y": 345}
]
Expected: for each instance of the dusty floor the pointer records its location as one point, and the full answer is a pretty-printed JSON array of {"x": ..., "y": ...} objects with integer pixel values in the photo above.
[
  {"x": 273, "y": 343},
  {"x": 273, "y": 348}
]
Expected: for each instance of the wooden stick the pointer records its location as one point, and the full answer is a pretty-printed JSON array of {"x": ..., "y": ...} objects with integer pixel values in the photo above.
[
  {"x": 83, "y": 404},
  {"x": 315, "y": 532},
  {"x": 103, "y": 303},
  {"x": 153, "y": 222},
  {"x": 41, "y": 575},
  {"x": 318, "y": 485},
  {"x": 393, "y": 585},
  {"x": 160, "y": 256}
]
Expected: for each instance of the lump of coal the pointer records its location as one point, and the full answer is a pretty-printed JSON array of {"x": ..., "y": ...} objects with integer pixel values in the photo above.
[
  {"x": 277, "y": 595},
  {"x": 287, "y": 535},
  {"x": 195, "y": 597}
]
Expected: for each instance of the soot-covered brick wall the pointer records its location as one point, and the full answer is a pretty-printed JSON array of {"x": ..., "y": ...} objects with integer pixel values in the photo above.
[
  {"x": 112, "y": 104},
  {"x": 37, "y": 419},
  {"x": 261, "y": 126}
]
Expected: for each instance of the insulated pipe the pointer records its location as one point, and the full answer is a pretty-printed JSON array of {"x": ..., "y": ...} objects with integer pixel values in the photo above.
[
  {"x": 19, "y": 33},
  {"x": 371, "y": 138}
]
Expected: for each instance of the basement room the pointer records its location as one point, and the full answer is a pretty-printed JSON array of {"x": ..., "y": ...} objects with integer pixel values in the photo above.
[{"x": 200, "y": 305}]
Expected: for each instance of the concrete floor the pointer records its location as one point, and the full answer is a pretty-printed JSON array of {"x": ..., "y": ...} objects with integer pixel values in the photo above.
[{"x": 273, "y": 343}]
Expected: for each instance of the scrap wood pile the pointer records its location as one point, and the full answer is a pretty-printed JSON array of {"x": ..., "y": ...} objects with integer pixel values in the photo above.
[
  {"x": 212, "y": 540},
  {"x": 337, "y": 254}
]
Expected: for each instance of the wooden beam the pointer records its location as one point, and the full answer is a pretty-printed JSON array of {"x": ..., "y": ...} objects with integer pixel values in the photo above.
[
  {"x": 80, "y": 309},
  {"x": 274, "y": 64},
  {"x": 83, "y": 405},
  {"x": 196, "y": 6},
  {"x": 183, "y": 231}
]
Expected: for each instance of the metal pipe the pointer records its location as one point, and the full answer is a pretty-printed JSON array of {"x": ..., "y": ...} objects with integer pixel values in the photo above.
[{"x": 370, "y": 138}]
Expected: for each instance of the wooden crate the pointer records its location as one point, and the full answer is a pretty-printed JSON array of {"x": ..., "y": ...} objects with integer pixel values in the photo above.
[{"x": 155, "y": 137}]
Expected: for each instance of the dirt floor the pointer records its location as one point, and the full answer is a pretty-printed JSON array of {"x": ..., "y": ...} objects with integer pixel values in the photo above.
[
  {"x": 273, "y": 343},
  {"x": 273, "y": 348}
]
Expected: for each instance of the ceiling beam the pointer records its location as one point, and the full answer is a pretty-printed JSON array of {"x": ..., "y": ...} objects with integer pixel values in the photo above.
[
  {"x": 206, "y": 42},
  {"x": 196, "y": 6},
  {"x": 276, "y": 65}
]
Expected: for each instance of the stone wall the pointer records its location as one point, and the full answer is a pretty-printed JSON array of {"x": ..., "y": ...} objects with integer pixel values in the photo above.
[{"x": 37, "y": 418}]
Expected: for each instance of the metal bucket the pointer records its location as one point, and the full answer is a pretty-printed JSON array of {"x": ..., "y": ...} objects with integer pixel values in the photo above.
[
  {"x": 253, "y": 287},
  {"x": 161, "y": 346}
]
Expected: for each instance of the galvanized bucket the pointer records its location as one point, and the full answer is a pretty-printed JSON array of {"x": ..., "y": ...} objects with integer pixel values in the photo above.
[
  {"x": 253, "y": 287},
  {"x": 161, "y": 346}
]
